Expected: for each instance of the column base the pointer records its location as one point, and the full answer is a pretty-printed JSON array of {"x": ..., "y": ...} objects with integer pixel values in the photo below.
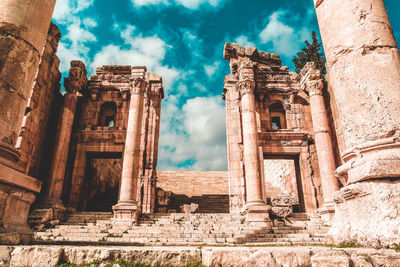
[
  {"x": 327, "y": 212},
  {"x": 258, "y": 215},
  {"x": 50, "y": 210},
  {"x": 125, "y": 214},
  {"x": 367, "y": 213}
]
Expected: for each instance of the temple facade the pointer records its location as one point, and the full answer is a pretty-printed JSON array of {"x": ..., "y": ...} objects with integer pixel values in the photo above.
[{"x": 303, "y": 150}]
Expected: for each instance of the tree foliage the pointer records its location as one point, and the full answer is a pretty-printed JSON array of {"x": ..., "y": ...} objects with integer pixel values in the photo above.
[{"x": 311, "y": 52}]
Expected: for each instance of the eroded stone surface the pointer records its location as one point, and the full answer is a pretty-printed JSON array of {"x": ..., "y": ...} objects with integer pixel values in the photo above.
[
  {"x": 368, "y": 213},
  {"x": 35, "y": 256},
  {"x": 209, "y": 256}
]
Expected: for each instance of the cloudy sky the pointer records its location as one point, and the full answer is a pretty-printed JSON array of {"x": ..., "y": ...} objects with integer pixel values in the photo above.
[{"x": 183, "y": 41}]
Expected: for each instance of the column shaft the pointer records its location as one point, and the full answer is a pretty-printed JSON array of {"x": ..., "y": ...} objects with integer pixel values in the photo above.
[
  {"x": 250, "y": 141},
  {"x": 22, "y": 36},
  {"x": 76, "y": 81},
  {"x": 323, "y": 143},
  {"x": 364, "y": 72},
  {"x": 130, "y": 169},
  {"x": 60, "y": 154}
]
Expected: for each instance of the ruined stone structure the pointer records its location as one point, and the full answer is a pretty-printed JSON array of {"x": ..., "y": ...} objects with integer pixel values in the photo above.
[
  {"x": 265, "y": 103},
  {"x": 306, "y": 154}
]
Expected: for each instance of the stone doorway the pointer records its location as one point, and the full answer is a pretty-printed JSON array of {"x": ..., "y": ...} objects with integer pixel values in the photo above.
[
  {"x": 282, "y": 175},
  {"x": 101, "y": 183}
]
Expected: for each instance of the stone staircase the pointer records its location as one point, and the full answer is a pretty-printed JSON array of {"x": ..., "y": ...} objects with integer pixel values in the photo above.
[
  {"x": 179, "y": 229},
  {"x": 83, "y": 218}
]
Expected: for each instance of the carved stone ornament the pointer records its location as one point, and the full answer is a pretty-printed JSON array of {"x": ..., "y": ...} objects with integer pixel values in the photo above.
[
  {"x": 314, "y": 87},
  {"x": 246, "y": 86},
  {"x": 156, "y": 90},
  {"x": 138, "y": 86},
  {"x": 246, "y": 64},
  {"x": 77, "y": 79}
]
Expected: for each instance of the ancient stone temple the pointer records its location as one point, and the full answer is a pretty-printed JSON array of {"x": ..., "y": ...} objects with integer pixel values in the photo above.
[
  {"x": 312, "y": 160},
  {"x": 266, "y": 102}
]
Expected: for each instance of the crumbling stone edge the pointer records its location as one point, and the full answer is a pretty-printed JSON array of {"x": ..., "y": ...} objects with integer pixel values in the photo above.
[{"x": 196, "y": 256}]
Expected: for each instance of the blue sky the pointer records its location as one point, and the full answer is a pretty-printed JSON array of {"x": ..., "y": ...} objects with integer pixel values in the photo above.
[{"x": 183, "y": 41}]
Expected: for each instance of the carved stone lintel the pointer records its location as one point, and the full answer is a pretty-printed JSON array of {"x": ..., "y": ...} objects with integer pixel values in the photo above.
[{"x": 77, "y": 79}]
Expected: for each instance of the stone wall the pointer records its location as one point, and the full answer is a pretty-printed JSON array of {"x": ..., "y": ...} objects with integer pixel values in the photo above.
[
  {"x": 280, "y": 177},
  {"x": 210, "y": 190},
  {"x": 193, "y": 183}
]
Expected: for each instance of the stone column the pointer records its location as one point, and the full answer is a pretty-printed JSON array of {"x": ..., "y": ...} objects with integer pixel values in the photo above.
[
  {"x": 364, "y": 73},
  {"x": 312, "y": 83},
  {"x": 155, "y": 94},
  {"x": 23, "y": 30},
  {"x": 76, "y": 82},
  {"x": 255, "y": 204},
  {"x": 127, "y": 203},
  {"x": 234, "y": 141}
]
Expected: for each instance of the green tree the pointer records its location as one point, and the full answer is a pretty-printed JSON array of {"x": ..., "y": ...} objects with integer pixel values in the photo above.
[{"x": 311, "y": 52}]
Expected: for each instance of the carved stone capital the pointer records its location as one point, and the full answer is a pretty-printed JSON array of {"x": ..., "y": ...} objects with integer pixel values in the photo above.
[
  {"x": 77, "y": 79},
  {"x": 314, "y": 87},
  {"x": 156, "y": 90},
  {"x": 138, "y": 86},
  {"x": 246, "y": 86}
]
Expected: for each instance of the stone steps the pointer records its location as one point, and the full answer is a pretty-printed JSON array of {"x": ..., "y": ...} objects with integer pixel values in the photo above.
[
  {"x": 81, "y": 218},
  {"x": 180, "y": 229}
]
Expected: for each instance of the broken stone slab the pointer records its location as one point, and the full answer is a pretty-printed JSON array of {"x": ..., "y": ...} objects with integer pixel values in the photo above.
[
  {"x": 283, "y": 200},
  {"x": 282, "y": 205},
  {"x": 282, "y": 212}
]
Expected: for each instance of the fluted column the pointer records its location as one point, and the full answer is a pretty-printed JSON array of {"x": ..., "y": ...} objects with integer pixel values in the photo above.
[
  {"x": 75, "y": 83},
  {"x": 255, "y": 204},
  {"x": 22, "y": 36},
  {"x": 312, "y": 83},
  {"x": 127, "y": 203}
]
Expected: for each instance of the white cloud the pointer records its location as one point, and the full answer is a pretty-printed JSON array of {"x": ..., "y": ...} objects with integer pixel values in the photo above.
[
  {"x": 244, "y": 41},
  {"x": 283, "y": 33},
  {"x": 65, "y": 9},
  {"x": 74, "y": 44},
  {"x": 189, "y": 4},
  {"x": 284, "y": 39},
  {"x": 212, "y": 69},
  {"x": 138, "y": 50},
  {"x": 197, "y": 134},
  {"x": 282, "y": 36}
]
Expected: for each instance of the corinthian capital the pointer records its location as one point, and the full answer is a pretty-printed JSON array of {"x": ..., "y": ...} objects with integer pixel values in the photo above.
[
  {"x": 77, "y": 79},
  {"x": 314, "y": 87},
  {"x": 138, "y": 86},
  {"x": 156, "y": 90},
  {"x": 246, "y": 86}
]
